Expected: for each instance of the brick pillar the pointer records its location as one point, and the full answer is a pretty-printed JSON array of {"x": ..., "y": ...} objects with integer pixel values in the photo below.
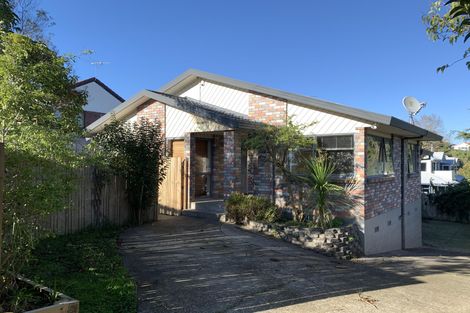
[
  {"x": 360, "y": 172},
  {"x": 232, "y": 162}
]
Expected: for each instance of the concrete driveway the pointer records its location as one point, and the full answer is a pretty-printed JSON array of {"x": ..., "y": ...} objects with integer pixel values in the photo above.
[{"x": 191, "y": 264}]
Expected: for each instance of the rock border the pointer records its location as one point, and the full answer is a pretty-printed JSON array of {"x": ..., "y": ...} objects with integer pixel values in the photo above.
[{"x": 341, "y": 242}]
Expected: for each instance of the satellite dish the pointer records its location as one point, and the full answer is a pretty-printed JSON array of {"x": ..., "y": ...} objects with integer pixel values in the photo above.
[{"x": 412, "y": 106}]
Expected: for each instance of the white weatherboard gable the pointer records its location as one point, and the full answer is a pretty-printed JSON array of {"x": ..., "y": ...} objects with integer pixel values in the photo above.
[
  {"x": 224, "y": 97},
  {"x": 98, "y": 100},
  {"x": 238, "y": 101},
  {"x": 324, "y": 123},
  {"x": 179, "y": 122}
]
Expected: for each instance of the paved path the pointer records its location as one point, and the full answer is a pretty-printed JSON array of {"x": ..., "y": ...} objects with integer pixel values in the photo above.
[{"x": 189, "y": 264}]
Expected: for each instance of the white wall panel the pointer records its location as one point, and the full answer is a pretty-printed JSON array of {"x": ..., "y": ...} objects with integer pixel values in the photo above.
[
  {"x": 325, "y": 123},
  {"x": 179, "y": 122},
  {"x": 98, "y": 100},
  {"x": 228, "y": 98}
]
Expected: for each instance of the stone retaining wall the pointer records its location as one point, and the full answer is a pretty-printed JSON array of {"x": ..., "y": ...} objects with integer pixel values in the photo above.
[{"x": 342, "y": 242}]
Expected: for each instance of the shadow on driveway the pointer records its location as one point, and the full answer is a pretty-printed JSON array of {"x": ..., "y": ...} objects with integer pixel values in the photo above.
[{"x": 189, "y": 264}]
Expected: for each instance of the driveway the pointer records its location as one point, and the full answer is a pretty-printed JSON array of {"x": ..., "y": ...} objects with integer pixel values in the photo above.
[
  {"x": 191, "y": 264},
  {"x": 447, "y": 235}
]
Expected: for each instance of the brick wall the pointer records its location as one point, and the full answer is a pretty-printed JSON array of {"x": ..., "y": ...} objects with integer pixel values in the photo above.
[
  {"x": 360, "y": 172},
  {"x": 412, "y": 182},
  {"x": 232, "y": 162},
  {"x": 218, "y": 166},
  {"x": 267, "y": 110},
  {"x": 152, "y": 110},
  {"x": 259, "y": 174},
  {"x": 383, "y": 194}
]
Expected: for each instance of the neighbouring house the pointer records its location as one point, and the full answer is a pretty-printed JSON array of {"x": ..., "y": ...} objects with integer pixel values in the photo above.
[
  {"x": 100, "y": 100},
  {"x": 438, "y": 171},
  {"x": 464, "y": 146},
  {"x": 206, "y": 116}
]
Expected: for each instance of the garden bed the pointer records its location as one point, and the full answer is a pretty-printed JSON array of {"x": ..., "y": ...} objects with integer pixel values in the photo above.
[
  {"x": 86, "y": 266},
  {"x": 341, "y": 242}
]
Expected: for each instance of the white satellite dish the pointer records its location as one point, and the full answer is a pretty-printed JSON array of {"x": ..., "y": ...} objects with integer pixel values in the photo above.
[{"x": 412, "y": 106}]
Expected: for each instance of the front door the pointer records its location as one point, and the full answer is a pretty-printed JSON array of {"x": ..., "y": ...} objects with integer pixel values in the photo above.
[{"x": 203, "y": 168}]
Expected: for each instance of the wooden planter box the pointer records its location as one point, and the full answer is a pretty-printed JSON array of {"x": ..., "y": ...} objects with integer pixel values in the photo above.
[{"x": 63, "y": 304}]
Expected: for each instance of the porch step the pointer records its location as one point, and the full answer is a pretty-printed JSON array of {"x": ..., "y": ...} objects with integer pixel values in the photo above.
[
  {"x": 201, "y": 214},
  {"x": 208, "y": 205}
]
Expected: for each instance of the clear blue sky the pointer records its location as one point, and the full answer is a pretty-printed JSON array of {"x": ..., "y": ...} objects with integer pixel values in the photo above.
[{"x": 366, "y": 54}]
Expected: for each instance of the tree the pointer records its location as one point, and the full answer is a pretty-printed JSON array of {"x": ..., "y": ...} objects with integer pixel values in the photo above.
[
  {"x": 8, "y": 18},
  {"x": 281, "y": 144},
  {"x": 32, "y": 21},
  {"x": 38, "y": 123},
  {"x": 136, "y": 152},
  {"x": 450, "y": 21},
  {"x": 433, "y": 123}
]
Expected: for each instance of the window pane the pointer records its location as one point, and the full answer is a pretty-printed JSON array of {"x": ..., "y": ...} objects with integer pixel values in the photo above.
[
  {"x": 379, "y": 158},
  {"x": 423, "y": 167},
  {"x": 345, "y": 142},
  {"x": 343, "y": 161},
  {"x": 412, "y": 158},
  {"x": 327, "y": 142},
  {"x": 389, "y": 157}
]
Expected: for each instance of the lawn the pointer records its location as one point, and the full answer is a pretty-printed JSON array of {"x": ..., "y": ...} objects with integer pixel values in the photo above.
[{"x": 87, "y": 267}]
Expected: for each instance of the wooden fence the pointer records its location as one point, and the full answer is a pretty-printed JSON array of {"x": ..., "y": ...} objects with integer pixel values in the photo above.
[
  {"x": 114, "y": 207},
  {"x": 173, "y": 195}
]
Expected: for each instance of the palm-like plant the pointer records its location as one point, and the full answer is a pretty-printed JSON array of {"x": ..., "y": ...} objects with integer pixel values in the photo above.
[{"x": 325, "y": 194}]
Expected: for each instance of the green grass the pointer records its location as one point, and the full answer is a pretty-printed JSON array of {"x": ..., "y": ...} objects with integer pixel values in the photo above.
[{"x": 85, "y": 266}]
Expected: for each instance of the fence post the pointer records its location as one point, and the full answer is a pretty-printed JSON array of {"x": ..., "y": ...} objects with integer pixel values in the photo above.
[{"x": 2, "y": 187}]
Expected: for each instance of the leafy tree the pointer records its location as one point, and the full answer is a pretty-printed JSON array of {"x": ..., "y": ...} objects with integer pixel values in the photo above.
[
  {"x": 281, "y": 144},
  {"x": 136, "y": 152},
  {"x": 8, "y": 18},
  {"x": 38, "y": 123},
  {"x": 450, "y": 21}
]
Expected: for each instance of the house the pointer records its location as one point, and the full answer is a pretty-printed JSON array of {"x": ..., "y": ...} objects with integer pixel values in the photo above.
[
  {"x": 438, "y": 171},
  {"x": 206, "y": 116},
  {"x": 464, "y": 146},
  {"x": 100, "y": 99}
]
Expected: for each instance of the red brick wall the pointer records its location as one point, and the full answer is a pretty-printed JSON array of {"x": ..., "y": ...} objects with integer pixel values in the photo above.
[
  {"x": 152, "y": 110},
  {"x": 384, "y": 193},
  {"x": 267, "y": 110},
  {"x": 359, "y": 171}
]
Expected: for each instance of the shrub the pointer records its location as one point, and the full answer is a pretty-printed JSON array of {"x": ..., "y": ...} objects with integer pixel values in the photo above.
[
  {"x": 455, "y": 201},
  {"x": 240, "y": 207}
]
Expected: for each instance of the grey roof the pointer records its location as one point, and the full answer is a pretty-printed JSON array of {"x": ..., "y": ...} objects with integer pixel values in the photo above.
[
  {"x": 214, "y": 113},
  {"x": 385, "y": 122}
]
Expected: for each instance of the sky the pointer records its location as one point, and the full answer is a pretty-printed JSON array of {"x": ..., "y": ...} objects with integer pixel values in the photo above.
[{"x": 365, "y": 54}]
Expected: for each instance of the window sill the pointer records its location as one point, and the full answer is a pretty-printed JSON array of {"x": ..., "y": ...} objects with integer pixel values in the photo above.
[{"x": 380, "y": 178}]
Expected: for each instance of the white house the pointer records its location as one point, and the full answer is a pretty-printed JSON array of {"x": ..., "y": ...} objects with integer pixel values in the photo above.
[
  {"x": 439, "y": 171},
  {"x": 464, "y": 146}
]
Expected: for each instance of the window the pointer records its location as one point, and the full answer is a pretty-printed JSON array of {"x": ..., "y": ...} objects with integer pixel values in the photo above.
[
  {"x": 296, "y": 159},
  {"x": 423, "y": 167},
  {"x": 379, "y": 157},
  {"x": 340, "y": 150},
  {"x": 413, "y": 158}
]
